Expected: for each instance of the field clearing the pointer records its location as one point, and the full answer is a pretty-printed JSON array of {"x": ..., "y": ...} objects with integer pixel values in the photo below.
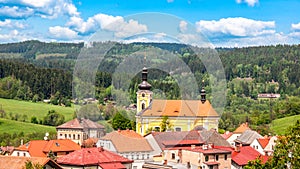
[
  {"x": 280, "y": 126},
  {"x": 11, "y": 126},
  {"x": 30, "y": 109}
]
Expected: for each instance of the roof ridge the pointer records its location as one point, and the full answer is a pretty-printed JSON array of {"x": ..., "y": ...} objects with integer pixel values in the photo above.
[{"x": 185, "y": 101}]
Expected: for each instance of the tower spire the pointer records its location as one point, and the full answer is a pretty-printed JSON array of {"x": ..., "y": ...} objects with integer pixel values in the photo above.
[{"x": 203, "y": 93}]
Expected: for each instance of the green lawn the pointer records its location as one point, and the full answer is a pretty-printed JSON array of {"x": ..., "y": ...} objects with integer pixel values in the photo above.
[
  {"x": 279, "y": 126},
  {"x": 10, "y": 126},
  {"x": 33, "y": 109}
]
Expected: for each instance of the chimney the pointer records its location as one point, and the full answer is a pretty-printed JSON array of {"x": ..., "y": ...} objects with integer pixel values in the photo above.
[{"x": 237, "y": 148}]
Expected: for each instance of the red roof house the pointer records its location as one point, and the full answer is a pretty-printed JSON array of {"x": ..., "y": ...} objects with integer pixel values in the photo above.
[
  {"x": 41, "y": 148},
  {"x": 94, "y": 157}
]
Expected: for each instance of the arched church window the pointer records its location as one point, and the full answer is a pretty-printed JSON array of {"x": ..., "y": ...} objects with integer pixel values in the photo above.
[{"x": 143, "y": 105}]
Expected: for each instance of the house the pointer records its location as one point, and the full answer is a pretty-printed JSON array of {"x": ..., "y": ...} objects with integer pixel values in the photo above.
[
  {"x": 164, "y": 140},
  {"x": 9, "y": 162},
  {"x": 203, "y": 157},
  {"x": 232, "y": 136},
  {"x": 184, "y": 115},
  {"x": 94, "y": 158},
  {"x": 247, "y": 137},
  {"x": 264, "y": 146},
  {"x": 241, "y": 155},
  {"x": 41, "y": 148},
  {"x": 78, "y": 130},
  {"x": 129, "y": 144}
]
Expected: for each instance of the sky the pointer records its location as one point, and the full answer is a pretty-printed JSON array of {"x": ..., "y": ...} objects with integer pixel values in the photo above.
[{"x": 223, "y": 23}]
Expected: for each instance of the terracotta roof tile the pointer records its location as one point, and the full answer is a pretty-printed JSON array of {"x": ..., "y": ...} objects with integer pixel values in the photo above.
[
  {"x": 263, "y": 142},
  {"x": 128, "y": 141},
  {"x": 226, "y": 135},
  {"x": 9, "y": 162},
  {"x": 243, "y": 127},
  {"x": 40, "y": 148},
  {"x": 112, "y": 165},
  {"x": 91, "y": 156},
  {"x": 245, "y": 154},
  {"x": 174, "y": 108}
]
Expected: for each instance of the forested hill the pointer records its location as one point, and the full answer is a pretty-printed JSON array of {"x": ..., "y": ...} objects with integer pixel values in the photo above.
[{"x": 34, "y": 70}]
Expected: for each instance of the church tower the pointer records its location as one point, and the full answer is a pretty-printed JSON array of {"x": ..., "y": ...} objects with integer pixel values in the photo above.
[{"x": 144, "y": 95}]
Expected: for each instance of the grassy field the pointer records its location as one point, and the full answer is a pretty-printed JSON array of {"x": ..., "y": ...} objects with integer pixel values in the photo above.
[
  {"x": 38, "y": 110},
  {"x": 10, "y": 126},
  {"x": 279, "y": 126}
]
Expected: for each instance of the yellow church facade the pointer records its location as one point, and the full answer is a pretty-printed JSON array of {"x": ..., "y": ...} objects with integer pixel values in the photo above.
[{"x": 183, "y": 115}]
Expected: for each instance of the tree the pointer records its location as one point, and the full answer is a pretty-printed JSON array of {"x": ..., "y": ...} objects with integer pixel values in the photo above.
[
  {"x": 31, "y": 165},
  {"x": 286, "y": 152},
  {"x": 120, "y": 121},
  {"x": 165, "y": 124},
  {"x": 53, "y": 118},
  {"x": 34, "y": 120}
]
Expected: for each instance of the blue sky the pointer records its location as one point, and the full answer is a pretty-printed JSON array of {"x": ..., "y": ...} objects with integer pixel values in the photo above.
[{"x": 223, "y": 22}]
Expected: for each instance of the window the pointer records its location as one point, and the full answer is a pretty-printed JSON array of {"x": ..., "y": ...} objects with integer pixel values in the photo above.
[
  {"x": 18, "y": 154},
  {"x": 24, "y": 154},
  {"x": 206, "y": 158},
  {"x": 73, "y": 136},
  {"x": 137, "y": 157},
  {"x": 211, "y": 167},
  {"x": 65, "y": 135},
  {"x": 143, "y": 156},
  {"x": 78, "y": 136},
  {"x": 173, "y": 156},
  {"x": 177, "y": 129},
  {"x": 143, "y": 106},
  {"x": 70, "y": 136},
  {"x": 143, "y": 94},
  {"x": 148, "y": 156},
  {"x": 217, "y": 157},
  {"x": 131, "y": 157},
  {"x": 225, "y": 156}
]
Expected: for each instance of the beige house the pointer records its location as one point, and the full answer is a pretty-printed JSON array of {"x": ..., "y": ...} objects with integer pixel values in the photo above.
[
  {"x": 128, "y": 144},
  {"x": 79, "y": 130}
]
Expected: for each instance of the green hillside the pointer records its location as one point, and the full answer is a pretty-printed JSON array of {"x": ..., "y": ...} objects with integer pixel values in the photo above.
[
  {"x": 279, "y": 126},
  {"x": 30, "y": 109},
  {"x": 10, "y": 126}
]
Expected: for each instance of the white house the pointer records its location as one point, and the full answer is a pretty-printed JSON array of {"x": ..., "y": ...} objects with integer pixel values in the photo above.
[
  {"x": 128, "y": 144},
  {"x": 264, "y": 146}
]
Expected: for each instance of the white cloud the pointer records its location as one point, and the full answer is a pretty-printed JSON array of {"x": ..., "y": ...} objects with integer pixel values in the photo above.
[
  {"x": 236, "y": 27},
  {"x": 14, "y": 36},
  {"x": 116, "y": 24},
  {"x": 43, "y": 8},
  {"x": 62, "y": 32},
  {"x": 7, "y": 23},
  {"x": 296, "y": 27},
  {"x": 249, "y": 2},
  {"x": 182, "y": 26},
  {"x": 16, "y": 12}
]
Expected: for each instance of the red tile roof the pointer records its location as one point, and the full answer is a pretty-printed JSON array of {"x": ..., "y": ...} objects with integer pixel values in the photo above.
[
  {"x": 128, "y": 141},
  {"x": 40, "y": 148},
  {"x": 91, "y": 156},
  {"x": 263, "y": 142},
  {"x": 13, "y": 162},
  {"x": 226, "y": 135},
  {"x": 246, "y": 154},
  {"x": 112, "y": 166}
]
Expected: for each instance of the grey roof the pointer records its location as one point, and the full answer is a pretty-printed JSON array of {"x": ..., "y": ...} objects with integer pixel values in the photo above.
[
  {"x": 247, "y": 137},
  {"x": 212, "y": 136}
]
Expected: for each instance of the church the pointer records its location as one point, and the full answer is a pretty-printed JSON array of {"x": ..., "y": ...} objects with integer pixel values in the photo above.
[{"x": 183, "y": 115}]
